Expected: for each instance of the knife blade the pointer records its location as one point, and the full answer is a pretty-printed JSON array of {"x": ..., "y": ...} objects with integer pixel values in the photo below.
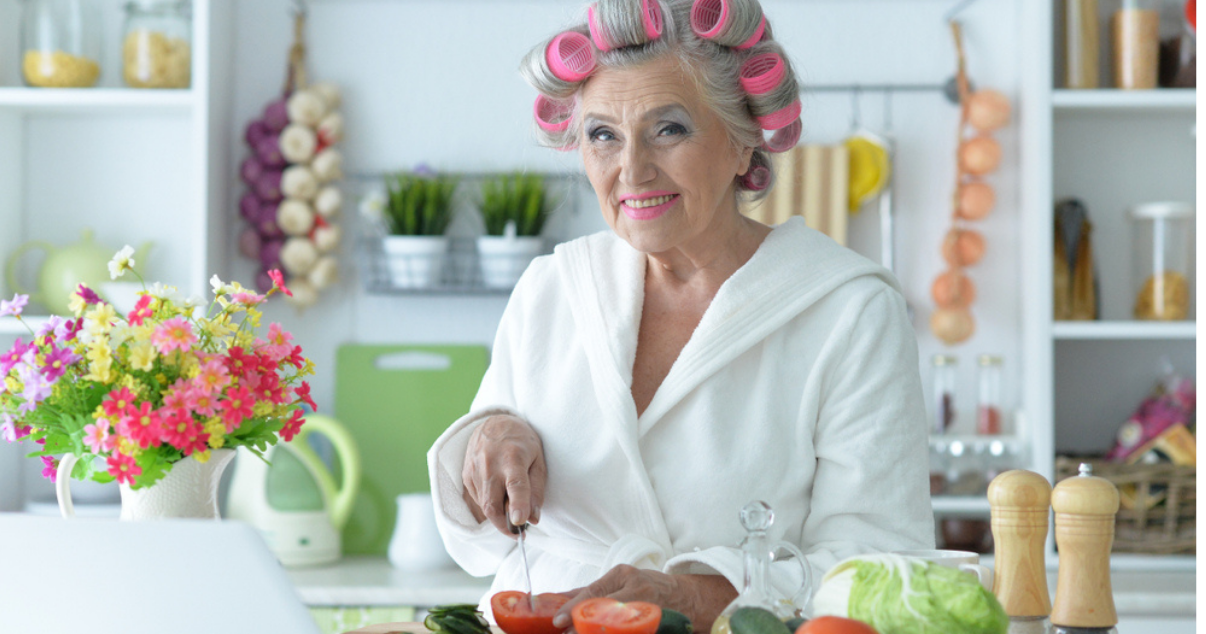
[{"x": 522, "y": 532}]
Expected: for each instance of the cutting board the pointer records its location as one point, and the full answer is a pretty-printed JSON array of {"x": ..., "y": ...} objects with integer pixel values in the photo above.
[{"x": 396, "y": 400}]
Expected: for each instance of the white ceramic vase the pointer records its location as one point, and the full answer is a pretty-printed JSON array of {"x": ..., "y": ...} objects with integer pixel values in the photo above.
[
  {"x": 188, "y": 490},
  {"x": 415, "y": 261},
  {"x": 505, "y": 258}
]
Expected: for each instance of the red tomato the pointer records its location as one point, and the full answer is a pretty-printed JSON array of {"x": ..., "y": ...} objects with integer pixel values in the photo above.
[
  {"x": 516, "y": 614},
  {"x": 835, "y": 625},
  {"x": 608, "y": 616}
]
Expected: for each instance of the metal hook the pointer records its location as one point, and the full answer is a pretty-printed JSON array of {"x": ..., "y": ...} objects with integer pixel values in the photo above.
[{"x": 957, "y": 9}]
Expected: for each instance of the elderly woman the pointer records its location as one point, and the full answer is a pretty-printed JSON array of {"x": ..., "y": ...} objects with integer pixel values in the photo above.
[{"x": 649, "y": 381}]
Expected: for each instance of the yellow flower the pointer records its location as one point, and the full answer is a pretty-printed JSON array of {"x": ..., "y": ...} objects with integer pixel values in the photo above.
[
  {"x": 201, "y": 456},
  {"x": 161, "y": 378},
  {"x": 217, "y": 432},
  {"x": 100, "y": 370},
  {"x": 307, "y": 369},
  {"x": 76, "y": 304},
  {"x": 142, "y": 356},
  {"x": 100, "y": 318},
  {"x": 128, "y": 447},
  {"x": 262, "y": 408},
  {"x": 217, "y": 327}
]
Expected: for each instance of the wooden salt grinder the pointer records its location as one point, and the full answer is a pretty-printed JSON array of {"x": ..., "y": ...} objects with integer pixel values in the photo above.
[
  {"x": 1020, "y": 501},
  {"x": 1085, "y": 507}
]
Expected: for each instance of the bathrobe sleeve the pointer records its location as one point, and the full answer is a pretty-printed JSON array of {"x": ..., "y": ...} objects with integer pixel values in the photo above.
[
  {"x": 478, "y": 547},
  {"x": 870, "y": 491}
]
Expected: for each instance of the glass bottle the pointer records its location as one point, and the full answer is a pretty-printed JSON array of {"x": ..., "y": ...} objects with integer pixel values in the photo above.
[
  {"x": 1081, "y": 45},
  {"x": 1135, "y": 37},
  {"x": 945, "y": 369},
  {"x": 1162, "y": 260},
  {"x": 156, "y": 49},
  {"x": 988, "y": 406},
  {"x": 758, "y": 552},
  {"x": 60, "y": 43}
]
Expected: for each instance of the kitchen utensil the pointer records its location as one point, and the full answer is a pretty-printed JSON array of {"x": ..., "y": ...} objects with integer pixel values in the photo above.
[
  {"x": 396, "y": 400},
  {"x": 65, "y": 268},
  {"x": 1085, "y": 509},
  {"x": 416, "y": 545},
  {"x": 957, "y": 559},
  {"x": 1019, "y": 500},
  {"x": 522, "y": 532},
  {"x": 291, "y": 496},
  {"x": 870, "y": 167},
  {"x": 759, "y": 549}
]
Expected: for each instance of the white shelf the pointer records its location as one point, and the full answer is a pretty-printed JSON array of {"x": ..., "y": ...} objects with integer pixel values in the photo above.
[
  {"x": 1111, "y": 100},
  {"x": 10, "y": 326},
  {"x": 111, "y": 100},
  {"x": 956, "y": 504},
  {"x": 1123, "y": 330}
]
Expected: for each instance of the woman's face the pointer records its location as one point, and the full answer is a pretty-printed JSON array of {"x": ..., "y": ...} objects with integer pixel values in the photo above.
[{"x": 659, "y": 160}]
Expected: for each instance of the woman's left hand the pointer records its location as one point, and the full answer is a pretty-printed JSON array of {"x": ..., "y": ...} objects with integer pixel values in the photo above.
[{"x": 700, "y": 597}]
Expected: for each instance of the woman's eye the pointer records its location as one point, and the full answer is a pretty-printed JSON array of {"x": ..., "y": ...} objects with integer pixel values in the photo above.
[
  {"x": 673, "y": 129},
  {"x": 600, "y": 134}
]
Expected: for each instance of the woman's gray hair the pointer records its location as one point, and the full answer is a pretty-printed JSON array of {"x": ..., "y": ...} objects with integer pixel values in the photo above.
[{"x": 714, "y": 63}]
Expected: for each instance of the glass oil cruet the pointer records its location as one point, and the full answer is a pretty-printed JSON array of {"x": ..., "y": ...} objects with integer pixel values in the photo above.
[{"x": 758, "y": 550}]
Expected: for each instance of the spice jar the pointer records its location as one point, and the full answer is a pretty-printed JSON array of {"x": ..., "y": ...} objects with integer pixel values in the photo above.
[
  {"x": 1135, "y": 36},
  {"x": 988, "y": 406},
  {"x": 1081, "y": 46},
  {"x": 1162, "y": 266},
  {"x": 60, "y": 43},
  {"x": 156, "y": 50},
  {"x": 945, "y": 369}
]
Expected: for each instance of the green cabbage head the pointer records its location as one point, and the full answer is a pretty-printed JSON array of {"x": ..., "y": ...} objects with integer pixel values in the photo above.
[{"x": 902, "y": 595}]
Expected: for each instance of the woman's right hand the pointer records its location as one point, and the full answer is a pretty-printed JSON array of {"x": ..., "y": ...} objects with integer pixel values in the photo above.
[{"x": 505, "y": 473}]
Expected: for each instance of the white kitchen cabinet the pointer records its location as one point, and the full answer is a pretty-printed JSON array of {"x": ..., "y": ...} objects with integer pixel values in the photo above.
[{"x": 135, "y": 165}]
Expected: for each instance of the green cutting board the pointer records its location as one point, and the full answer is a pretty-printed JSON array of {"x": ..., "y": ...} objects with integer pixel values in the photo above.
[{"x": 396, "y": 400}]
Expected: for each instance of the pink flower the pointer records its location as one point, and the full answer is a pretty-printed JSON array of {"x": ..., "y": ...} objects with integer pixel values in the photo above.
[
  {"x": 10, "y": 430},
  {"x": 123, "y": 468},
  {"x": 57, "y": 362},
  {"x": 303, "y": 394},
  {"x": 278, "y": 280},
  {"x": 295, "y": 358},
  {"x": 88, "y": 295},
  {"x": 247, "y": 299},
  {"x": 37, "y": 388},
  {"x": 236, "y": 408},
  {"x": 214, "y": 376},
  {"x": 13, "y": 356},
  {"x": 238, "y": 361},
  {"x": 292, "y": 426},
  {"x": 270, "y": 389},
  {"x": 202, "y": 401},
  {"x": 142, "y": 424},
  {"x": 173, "y": 334},
  {"x": 177, "y": 395},
  {"x": 97, "y": 437},
  {"x": 178, "y": 427},
  {"x": 142, "y": 310},
  {"x": 117, "y": 402},
  {"x": 72, "y": 329},
  {"x": 13, "y": 307},
  {"x": 50, "y": 468}
]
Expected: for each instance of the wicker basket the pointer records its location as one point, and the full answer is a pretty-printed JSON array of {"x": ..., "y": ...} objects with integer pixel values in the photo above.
[{"x": 1163, "y": 517}]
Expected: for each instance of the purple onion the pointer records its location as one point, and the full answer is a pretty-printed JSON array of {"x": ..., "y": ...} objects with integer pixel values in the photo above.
[
  {"x": 262, "y": 282},
  {"x": 268, "y": 151},
  {"x": 276, "y": 115},
  {"x": 256, "y": 130},
  {"x": 250, "y": 170},
  {"x": 250, "y": 243},
  {"x": 270, "y": 254},
  {"x": 268, "y": 187},
  {"x": 269, "y": 230},
  {"x": 249, "y": 206}
]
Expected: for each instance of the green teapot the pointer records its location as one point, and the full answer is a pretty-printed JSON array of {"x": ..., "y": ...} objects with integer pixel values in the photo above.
[{"x": 65, "y": 268}]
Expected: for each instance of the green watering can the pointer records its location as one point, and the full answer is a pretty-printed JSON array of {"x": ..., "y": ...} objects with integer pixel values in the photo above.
[{"x": 65, "y": 268}]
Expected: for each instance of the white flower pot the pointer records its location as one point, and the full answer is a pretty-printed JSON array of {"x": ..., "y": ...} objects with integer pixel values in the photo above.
[
  {"x": 415, "y": 261},
  {"x": 504, "y": 258}
]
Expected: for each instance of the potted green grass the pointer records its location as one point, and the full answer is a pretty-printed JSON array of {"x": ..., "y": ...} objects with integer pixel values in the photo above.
[
  {"x": 514, "y": 208},
  {"x": 418, "y": 208}
]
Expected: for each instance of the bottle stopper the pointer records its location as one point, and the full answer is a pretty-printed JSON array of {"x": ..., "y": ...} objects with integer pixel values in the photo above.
[{"x": 1020, "y": 502}]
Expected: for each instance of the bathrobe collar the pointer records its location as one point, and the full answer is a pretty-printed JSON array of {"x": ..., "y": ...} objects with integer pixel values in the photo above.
[{"x": 604, "y": 279}]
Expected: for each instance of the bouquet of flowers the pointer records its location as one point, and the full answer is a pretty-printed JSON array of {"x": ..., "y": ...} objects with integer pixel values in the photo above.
[{"x": 145, "y": 390}]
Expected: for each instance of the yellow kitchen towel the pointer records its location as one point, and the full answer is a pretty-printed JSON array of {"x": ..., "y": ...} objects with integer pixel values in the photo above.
[{"x": 810, "y": 181}]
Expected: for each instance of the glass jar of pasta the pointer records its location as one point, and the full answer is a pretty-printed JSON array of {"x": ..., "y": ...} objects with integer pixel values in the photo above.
[
  {"x": 156, "y": 50},
  {"x": 60, "y": 43},
  {"x": 1163, "y": 260}
]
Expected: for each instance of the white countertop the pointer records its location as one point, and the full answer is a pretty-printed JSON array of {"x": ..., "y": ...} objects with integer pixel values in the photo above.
[{"x": 372, "y": 581}]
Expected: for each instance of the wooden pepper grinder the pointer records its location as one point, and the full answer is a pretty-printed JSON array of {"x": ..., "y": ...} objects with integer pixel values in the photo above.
[
  {"x": 1085, "y": 507},
  {"x": 1020, "y": 502}
]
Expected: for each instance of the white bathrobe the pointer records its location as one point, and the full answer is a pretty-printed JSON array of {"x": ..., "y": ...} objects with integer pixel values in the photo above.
[{"x": 799, "y": 387}]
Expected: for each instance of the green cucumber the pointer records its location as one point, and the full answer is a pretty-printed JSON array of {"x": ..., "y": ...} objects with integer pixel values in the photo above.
[
  {"x": 674, "y": 623},
  {"x": 751, "y": 620}
]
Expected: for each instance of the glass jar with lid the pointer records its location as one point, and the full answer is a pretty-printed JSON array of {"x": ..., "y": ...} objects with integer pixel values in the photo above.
[
  {"x": 988, "y": 402},
  {"x": 1162, "y": 266},
  {"x": 945, "y": 373},
  {"x": 60, "y": 43},
  {"x": 156, "y": 50}
]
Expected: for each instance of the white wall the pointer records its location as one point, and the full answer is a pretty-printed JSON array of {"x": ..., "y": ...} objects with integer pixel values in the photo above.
[{"x": 436, "y": 82}]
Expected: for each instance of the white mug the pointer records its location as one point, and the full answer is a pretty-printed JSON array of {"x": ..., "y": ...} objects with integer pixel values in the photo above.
[
  {"x": 416, "y": 545},
  {"x": 957, "y": 559}
]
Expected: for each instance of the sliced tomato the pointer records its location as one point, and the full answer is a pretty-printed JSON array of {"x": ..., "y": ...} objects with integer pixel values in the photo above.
[
  {"x": 515, "y": 613},
  {"x": 835, "y": 625},
  {"x": 608, "y": 616}
]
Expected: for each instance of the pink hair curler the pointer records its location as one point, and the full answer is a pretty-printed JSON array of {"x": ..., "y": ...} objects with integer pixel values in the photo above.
[
  {"x": 781, "y": 118},
  {"x": 570, "y": 56},
  {"x": 756, "y": 37},
  {"x": 761, "y": 73},
  {"x": 784, "y": 138},
  {"x": 596, "y": 31},
  {"x": 757, "y": 178},
  {"x": 708, "y": 17},
  {"x": 651, "y": 14},
  {"x": 552, "y": 116}
]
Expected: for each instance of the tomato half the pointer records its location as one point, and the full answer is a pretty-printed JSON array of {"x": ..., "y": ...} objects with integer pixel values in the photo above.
[
  {"x": 516, "y": 614},
  {"x": 835, "y": 625},
  {"x": 608, "y": 616}
]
